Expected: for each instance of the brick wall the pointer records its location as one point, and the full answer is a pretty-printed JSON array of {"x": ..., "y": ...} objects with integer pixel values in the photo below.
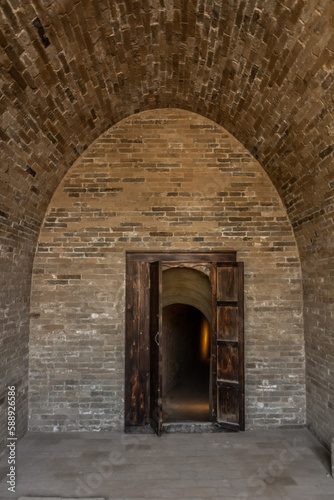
[
  {"x": 165, "y": 179},
  {"x": 261, "y": 69},
  {"x": 316, "y": 238},
  {"x": 16, "y": 259}
]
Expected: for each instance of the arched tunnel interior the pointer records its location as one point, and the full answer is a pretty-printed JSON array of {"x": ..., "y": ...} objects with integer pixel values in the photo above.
[
  {"x": 186, "y": 364},
  {"x": 115, "y": 113},
  {"x": 186, "y": 345}
]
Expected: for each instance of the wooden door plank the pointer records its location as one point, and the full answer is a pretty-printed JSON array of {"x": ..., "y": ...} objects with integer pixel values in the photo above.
[
  {"x": 228, "y": 311},
  {"x": 136, "y": 346},
  {"x": 228, "y": 407},
  {"x": 228, "y": 363},
  {"x": 213, "y": 358},
  {"x": 227, "y": 322},
  {"x": 156, "y": 347},
  {"x": 227, "y": 283},
  {"x": 179, "y": 256}
]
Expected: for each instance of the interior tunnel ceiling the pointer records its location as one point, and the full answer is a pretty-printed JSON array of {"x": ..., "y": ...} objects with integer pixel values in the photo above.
[
  {"x": 263, "y": 69},
  {"x": 187, "y": 286}
]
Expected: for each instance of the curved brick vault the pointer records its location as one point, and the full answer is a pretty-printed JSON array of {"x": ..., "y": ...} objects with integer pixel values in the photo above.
[{"x": 263, "y": 69}]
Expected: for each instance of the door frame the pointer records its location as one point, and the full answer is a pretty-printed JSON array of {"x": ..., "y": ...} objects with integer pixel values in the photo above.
[{"x": 137, "y": 329}]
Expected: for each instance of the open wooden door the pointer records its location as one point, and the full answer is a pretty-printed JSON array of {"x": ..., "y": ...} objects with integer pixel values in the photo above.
[
  {"x": 156, "y": 347},
  {"x": 228, "y": 345}
]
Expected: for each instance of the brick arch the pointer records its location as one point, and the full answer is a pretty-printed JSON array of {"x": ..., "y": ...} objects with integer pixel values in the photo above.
[
  {"x": 163, "y": 179},
  {"x": 263, "y": 70}
]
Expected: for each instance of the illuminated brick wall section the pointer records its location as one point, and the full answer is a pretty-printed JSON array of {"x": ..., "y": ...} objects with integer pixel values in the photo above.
[{"x": 164, "y": 179}]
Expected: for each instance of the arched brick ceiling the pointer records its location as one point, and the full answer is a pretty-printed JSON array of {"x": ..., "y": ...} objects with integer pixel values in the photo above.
[{"x": 263, "y": 69}]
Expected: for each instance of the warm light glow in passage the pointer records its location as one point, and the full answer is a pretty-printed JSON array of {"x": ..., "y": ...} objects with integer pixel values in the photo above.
[{"x": 205, "y": 339}]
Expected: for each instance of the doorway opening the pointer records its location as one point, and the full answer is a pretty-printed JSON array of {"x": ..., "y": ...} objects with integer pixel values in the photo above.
[
  {"x": 185, "y": 364},
  {"x": 177, "y": 303},
  {"x": 186, "y": 339}
]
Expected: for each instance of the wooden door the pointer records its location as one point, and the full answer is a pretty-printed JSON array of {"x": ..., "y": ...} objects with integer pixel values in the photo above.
[
  {"x": 156, "y": 347},
  {"x": 143, "y": 405},
  {"x": 137, "y": 348},
  {"x": 227, "y": 345}
]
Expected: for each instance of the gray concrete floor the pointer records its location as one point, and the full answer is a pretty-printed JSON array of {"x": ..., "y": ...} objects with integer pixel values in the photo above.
[{"x": 280, "y": 464}]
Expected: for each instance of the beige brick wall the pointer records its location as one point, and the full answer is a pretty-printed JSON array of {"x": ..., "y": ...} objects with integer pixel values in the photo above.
[
  {"x": 317, "y": 253},
  {"x": 163, "y": 179}
]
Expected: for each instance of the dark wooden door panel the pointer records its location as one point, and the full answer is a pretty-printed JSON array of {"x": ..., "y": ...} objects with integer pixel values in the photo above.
[
  {"x": 228, "y": 363},
  {"x": 156, "y": 347},
  {"x": 227, "y": 283},
  {"x": 228, "y": 407},
  {"x": 227, "y": 322},
  {"x": 228, "y": 343},
  {"x": 136, "y": 345}
]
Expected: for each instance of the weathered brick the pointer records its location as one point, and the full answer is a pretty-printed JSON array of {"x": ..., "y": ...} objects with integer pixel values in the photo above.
[
  {"x": 273, "y": 289},
  {"x": 260, "y": 69}
]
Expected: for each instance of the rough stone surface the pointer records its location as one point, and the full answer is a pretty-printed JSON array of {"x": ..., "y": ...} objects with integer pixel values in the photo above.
[
  {"x": 263, "y": 69},
  {"x": 262, "y": 465},
  {"x": 165, "y": 179}
]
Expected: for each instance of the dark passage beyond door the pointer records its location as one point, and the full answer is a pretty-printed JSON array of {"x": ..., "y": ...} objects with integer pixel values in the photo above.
[{"x": 186, "y": 364}]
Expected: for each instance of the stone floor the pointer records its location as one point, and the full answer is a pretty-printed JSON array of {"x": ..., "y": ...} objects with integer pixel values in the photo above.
[
  {"x": 189, "y": 399},
  {"x": 280, "y": 464}
]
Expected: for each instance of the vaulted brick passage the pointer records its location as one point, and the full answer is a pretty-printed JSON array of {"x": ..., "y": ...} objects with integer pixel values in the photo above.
[{"x": 261, "y": 69}]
